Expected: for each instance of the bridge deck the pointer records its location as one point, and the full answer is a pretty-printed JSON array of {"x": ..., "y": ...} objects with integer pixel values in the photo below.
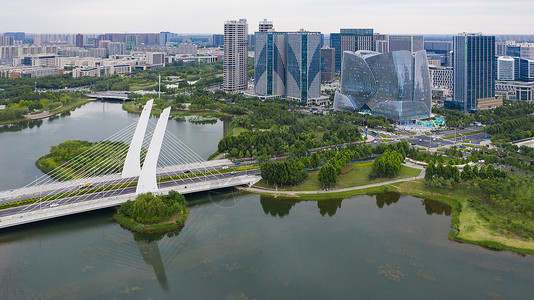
[
  {"x": 14, "y": 216},
  {"x": 18, "y": 194}
]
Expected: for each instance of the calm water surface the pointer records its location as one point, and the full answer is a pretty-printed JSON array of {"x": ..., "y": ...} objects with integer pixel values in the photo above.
[
  {"x": 241, "y": 246},
  {"x": 21, "y": 145}
]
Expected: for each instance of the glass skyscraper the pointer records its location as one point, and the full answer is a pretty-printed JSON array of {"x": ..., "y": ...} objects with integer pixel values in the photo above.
[
  {"x": 270, "y": 63},
  {"x": 351, "y": 39},
  {"x": 288, "y": 64},
  {"x": 395, "y": 84},
  {"x": 474, "y": 70}
]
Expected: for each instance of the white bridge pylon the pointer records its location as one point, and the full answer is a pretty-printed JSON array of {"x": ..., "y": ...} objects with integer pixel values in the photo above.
[
  {"x": 147, "y": 178},
  {"x": 132, "y": 163}
]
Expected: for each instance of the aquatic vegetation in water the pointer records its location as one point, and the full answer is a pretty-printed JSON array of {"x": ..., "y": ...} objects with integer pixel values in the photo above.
[
  {"x": 208, "y": 273},
  {"x": 427, "y": 276},
  {"x": 286, "y": 283},
  {"x": 252, "y": 270},
  {"x": 127, "y": 290},
  {"x": 233, "y": 267},
  {"x": 414, "y": 263},
  {"x": 239, "y": 296},
  {"x": 391, "y": 273},
  {"x": 495, "y": 296},
  {"x": 86, "y": 268},
  {"x": 206, "y": 260}
]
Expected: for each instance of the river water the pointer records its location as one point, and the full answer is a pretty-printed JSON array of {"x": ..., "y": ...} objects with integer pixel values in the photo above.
[{"x": 243, "y": 246}]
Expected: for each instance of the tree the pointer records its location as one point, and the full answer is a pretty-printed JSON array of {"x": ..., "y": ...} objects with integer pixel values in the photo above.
[
  {"x": 389, "y": 164},
  {"x": 328, "y": 175},
  {"x": 467, "y": 173}
]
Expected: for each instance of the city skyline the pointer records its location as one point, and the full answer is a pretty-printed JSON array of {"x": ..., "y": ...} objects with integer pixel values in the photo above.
[{"x": 205, "y": 17}]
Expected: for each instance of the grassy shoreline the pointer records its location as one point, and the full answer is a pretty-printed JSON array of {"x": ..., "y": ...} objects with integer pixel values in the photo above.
[
  {"x": 75, "y": 104},
  {"x": 468, "y": 226}
]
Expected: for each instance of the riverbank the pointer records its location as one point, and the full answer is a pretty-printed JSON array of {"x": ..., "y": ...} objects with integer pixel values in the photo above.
[
  {"x": 355, "y": 174},
  {"x": 64, "y": 108},
  {"x": 134, "y": 109},
  {"x": 468, "y": 224},
  {"x": 168, "y": 225}
]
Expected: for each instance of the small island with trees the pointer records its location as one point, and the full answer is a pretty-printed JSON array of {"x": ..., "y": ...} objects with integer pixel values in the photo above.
[{"x": 150, "y": 213}]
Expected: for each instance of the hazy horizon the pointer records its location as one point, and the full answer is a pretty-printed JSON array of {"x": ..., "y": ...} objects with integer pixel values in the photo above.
[{"x": 207, "y": 17}]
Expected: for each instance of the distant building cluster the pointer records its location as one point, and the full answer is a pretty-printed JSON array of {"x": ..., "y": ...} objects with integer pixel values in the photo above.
[{"x": 468, "y": 72}]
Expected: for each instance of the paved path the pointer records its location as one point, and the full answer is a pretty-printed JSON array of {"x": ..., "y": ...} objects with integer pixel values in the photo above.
[{"x": 271, "y": 191}]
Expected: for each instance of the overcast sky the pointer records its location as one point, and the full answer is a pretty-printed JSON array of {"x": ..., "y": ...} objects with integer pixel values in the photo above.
[{"x": 208, "y": 16}]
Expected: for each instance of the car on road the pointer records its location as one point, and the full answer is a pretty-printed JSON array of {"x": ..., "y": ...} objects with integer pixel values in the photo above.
[
  {"x": 420, "y": 140},
  {"x": 225, "y": 167},
  {"x": 187, "y": 171},
  {"x": 233, "y": 172},
  {"x": 54, "y": 205}
]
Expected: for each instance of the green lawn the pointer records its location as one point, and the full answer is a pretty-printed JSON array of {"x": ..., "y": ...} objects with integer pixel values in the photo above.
[{"x": 356, "y": 175}]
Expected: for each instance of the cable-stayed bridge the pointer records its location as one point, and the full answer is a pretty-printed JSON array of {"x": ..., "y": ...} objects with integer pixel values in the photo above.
[{"x": 141, "y": 158}]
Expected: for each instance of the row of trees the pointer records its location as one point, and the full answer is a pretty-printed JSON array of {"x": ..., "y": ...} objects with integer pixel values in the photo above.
[
  {"x": 440, "y": 176},
  {"x": 288, "y": 172},
  {"x": 387, "y": 165},
  {"x": 332, "y": 161},
  {"x": 147, "y": 208}
]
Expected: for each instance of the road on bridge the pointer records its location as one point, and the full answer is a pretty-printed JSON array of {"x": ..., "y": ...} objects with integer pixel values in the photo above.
[{"x": 129, "y": 190}]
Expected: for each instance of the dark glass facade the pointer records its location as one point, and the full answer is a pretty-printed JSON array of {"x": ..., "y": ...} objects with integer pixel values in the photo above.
[
  {"x": 351, "y": 39},
  {"x": 288, "y": 64},
  {"x": 474, "y": 69}
]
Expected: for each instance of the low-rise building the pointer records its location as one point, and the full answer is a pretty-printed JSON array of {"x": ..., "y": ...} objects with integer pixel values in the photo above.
[
  {"x": 515, "y": 90},
  {"x": 29, "y": 72},
  {"x": 86, "y": 72},
  {"x": 442, "y": 79}
]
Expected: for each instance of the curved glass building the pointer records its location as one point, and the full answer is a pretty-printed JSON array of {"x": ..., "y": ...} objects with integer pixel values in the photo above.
[{"x": 395, "y": 84}]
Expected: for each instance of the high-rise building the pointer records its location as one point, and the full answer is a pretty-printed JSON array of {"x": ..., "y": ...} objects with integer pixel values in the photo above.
[
  {"x": 79, "y": 40},
  {"x": 164, "y": 38},
  {"x": 527, "y": 51},
  {"x": 116, "y": 48},
  {"x": 474, "y": 70},
  {"x": 440, "y": 50},
  {"x": 155, "y": 58},
  {"x": 351, "y": 40},
  {"x": 270, "y": 63},
  {"x": 526, "y": 67},
  {"x": 218, "y": 39},
  {"x": 265, "y": 25},
  {"x": 500, "y": 48},
  {"x": 442, "y": 79},
  {"x": 303, "y": 76},
  {"x": 17, "y": 36},
  {"x": 6, "y": 40},
  {"x": 328, "y": 64},
  {"x": 505, "y": 68},
  {"x": 412, "y": 43},
  {"x": 381, "y": 43},
  {"x": 235, "y": 55},
  {"x": 288, "y": 64}
]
